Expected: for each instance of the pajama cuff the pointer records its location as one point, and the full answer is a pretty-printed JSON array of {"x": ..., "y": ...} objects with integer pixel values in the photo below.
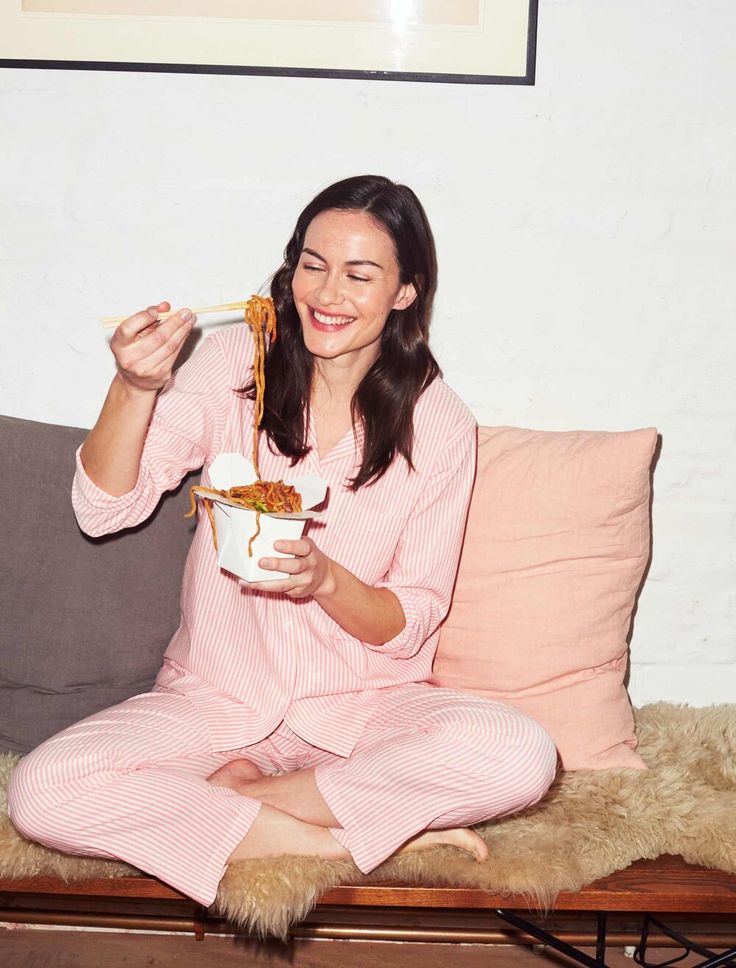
[
  {"x": 96, "y": 497},
  {"x": 205, "y": 891},
  {"x": 368, "y": 851}
]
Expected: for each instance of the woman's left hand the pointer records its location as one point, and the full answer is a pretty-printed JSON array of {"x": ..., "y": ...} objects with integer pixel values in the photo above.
[{"x": 307, "y": 573}]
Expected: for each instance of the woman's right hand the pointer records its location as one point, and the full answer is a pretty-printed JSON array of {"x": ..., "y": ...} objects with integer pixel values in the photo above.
[{"x": 145, "y": 350}]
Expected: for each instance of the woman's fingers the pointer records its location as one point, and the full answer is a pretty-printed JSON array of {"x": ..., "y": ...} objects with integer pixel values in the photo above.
[
  {"x": 163, "y": 351},
  {"x": 299, "y": 571},
  {"x": 303, "y": 570},
  {"x": 301, "y": 546},
  {"x": 135, "y": 324},
  {"x": 150, "y": 338},
  {"x": 303, "y": 559},
  {"x": 306, "y": 570},
  {"x": 289, "y": 566},
  {"x": 276, "y": 587},
  {"x": 146, "y": 350}
]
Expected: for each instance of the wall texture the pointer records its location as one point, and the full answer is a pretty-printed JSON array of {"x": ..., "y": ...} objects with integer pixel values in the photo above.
[{"x": 585, "y": 228}]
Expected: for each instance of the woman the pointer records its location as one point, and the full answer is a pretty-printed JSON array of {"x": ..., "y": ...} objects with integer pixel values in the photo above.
[{"x": 320, "y": 674}]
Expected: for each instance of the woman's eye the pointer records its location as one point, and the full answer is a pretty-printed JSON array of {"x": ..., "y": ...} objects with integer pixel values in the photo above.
[
  {"x": 357, "y": 278},
  {"x": 312, "y": 268}
]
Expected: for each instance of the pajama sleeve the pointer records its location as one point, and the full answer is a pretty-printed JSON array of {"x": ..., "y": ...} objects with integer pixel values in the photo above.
[
  {"x": 186, "y": 429},
  {"x": 422, "y": 574}
]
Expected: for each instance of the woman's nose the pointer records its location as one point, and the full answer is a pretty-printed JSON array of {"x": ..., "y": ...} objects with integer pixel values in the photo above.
[{"x": 329, "y": 292}]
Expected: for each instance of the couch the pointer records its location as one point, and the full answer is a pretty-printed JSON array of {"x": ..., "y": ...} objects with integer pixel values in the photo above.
[{"x": 85, "y": 622}]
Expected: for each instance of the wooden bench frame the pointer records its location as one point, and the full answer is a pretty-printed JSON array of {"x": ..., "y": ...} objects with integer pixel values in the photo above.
[{"x": 642, "y": 893}]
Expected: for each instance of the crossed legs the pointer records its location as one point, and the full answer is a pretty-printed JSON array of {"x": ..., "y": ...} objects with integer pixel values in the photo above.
[
  {"x": 295, "y": 819},
  {"x": 131, "y": 782},
  {"x": 430, "y": 763}
]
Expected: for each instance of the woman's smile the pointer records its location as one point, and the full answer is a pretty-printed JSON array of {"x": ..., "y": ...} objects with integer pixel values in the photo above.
[{"x": 328, "y": 322}]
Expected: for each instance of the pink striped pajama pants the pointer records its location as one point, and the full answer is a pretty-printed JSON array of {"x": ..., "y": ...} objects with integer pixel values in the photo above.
[{"x": 130, "y": 782}]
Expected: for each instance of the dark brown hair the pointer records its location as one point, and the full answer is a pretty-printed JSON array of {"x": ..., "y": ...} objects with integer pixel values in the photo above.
[{"x": 385, "y": 399}]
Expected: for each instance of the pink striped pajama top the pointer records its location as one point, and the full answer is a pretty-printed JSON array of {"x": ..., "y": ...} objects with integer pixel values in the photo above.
[{"x": 251, "y": 660}]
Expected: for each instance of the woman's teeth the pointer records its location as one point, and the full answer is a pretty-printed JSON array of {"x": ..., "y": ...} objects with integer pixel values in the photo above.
[{"x": 332, "y": 320}]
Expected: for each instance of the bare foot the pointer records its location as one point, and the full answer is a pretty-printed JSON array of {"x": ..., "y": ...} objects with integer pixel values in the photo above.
[
  {"x": 461, "y": 837},
  {"x": 235, "y": 775}
]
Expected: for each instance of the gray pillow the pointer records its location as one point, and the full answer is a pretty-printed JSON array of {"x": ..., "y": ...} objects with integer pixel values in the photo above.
[{"x": 83, "y": 622}]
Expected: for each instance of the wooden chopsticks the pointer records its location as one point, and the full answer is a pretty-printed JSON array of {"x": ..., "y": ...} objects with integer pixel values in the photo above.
[{"x": 109, "y": 322}]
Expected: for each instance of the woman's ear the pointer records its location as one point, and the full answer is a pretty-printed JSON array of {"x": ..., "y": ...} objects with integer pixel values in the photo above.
[{"x": 405, "y": 297}]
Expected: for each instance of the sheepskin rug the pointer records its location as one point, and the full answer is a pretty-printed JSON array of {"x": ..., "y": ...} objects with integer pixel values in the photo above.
[{"x": 589, "y": 825}]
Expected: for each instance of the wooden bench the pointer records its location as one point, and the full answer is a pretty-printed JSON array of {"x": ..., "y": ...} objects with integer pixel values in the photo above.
[{"x": 630, "y": 907}]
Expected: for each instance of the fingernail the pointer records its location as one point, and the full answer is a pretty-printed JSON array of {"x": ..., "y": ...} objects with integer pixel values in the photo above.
[
  {"x": 186, "y": 314},
  {"x": 193, "y": 320}
]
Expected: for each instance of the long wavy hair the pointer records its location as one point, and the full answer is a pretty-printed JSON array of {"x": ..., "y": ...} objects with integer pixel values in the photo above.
[{"x": 385, "y": 399}]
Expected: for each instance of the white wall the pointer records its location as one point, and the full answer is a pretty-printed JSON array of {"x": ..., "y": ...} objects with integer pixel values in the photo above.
[{"x": 585, "y": 229}]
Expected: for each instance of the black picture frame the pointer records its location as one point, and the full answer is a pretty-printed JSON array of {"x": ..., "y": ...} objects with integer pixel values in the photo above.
[{"x": 527, "y": 78}]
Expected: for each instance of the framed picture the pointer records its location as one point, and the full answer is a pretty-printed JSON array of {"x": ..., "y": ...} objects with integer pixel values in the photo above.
[{"x": 457, "y": 41}]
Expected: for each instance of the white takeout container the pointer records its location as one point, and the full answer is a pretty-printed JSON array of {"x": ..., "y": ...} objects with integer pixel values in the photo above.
[{"x": 235, "y": 525}]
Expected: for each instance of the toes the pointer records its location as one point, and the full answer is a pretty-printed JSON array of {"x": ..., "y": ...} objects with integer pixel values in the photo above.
[
  {"x": 480, "y": 853},
  {"x": 478, "y": 848}
]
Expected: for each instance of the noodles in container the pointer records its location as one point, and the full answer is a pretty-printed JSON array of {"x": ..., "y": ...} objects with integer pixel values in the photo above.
[
  {"x": 234, "y": 525},
  {"x": 246, "y": 513}
]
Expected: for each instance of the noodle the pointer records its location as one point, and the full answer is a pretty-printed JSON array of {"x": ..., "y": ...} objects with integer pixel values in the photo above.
[
  {"x": 260, "y": 315},
  {"x": 272, "y": 497}
]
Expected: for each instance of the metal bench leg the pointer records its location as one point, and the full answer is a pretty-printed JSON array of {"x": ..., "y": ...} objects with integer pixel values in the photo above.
[
  {"x": 562, "y": 946},
  {"x": 712, "y": 960}
]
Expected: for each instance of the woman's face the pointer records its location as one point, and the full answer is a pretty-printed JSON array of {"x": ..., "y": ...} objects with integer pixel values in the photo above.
[{"x": 345, "y": 285}]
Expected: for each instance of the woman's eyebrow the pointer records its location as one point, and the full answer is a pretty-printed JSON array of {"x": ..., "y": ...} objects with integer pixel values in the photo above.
[
  {"x": 362, "y": 262},
  {"x": 350, "y": 262},
  {"x": 315, "y": 254}
]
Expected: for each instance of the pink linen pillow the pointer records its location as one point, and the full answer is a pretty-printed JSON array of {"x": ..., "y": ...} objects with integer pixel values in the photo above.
[{"x": 555, "y": 549}]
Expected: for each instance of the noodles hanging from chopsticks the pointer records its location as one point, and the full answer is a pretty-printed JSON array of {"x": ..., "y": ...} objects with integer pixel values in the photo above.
[
  {"x": 260, "y": 315},
  {"x": 261, "y": 496}
]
